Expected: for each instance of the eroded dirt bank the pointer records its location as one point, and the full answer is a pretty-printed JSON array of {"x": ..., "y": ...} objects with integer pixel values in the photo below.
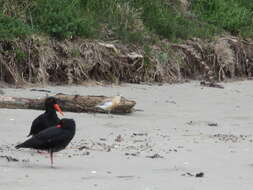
[{"x": 42, "y": 60}]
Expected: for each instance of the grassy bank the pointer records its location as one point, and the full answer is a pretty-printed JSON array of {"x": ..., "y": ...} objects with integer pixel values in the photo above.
[
  {"x": 58, "y": 41},
  {"x": 137, "y": 21}
]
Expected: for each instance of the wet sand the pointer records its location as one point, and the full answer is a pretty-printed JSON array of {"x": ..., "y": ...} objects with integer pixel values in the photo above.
[{"x": 183, "y": 130}]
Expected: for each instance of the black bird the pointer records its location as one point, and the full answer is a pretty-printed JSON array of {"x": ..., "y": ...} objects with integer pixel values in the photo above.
[
  {"x": 52, "y": 139},
  {"x": 48, "y": 118}
]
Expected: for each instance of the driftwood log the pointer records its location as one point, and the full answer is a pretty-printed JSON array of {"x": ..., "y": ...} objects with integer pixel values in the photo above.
[
  {"x": 71, "y": 103},
  {"x": 211, "y": 84}
]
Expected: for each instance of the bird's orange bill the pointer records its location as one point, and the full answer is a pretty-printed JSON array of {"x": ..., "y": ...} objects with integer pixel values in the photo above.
[
  {"x": 58, "y": 126},
  {"x": 57, "y": 108}
]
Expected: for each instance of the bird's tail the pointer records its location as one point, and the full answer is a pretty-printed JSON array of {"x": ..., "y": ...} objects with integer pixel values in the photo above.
[{"x": 19, "y": 146}]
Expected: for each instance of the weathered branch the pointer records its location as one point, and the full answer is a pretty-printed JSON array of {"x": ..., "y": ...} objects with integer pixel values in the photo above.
[
  {"x": 72, "y": 103},
  {"x": 211, "y": 84}
]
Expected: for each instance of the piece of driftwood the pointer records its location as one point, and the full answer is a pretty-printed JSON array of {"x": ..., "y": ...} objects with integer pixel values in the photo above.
[
  {"x": 72, "y": 103},
  {"x": 211, "y": 84}
]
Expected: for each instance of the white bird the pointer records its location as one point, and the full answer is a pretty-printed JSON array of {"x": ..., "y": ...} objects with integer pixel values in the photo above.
[{"x": 110, "y": 103}]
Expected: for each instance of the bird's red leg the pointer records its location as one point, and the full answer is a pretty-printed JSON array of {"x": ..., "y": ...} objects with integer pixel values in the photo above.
[{"x": 51, "y": 158}]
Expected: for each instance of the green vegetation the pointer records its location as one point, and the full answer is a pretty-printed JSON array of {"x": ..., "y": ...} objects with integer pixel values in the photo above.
[
  {"x": 11, "y": 27},
  {"x": 20, "y": 54},
  {"x": 62, "y": 19},
  {"x": 136, "y": 21},
  {"x": 234, "y": 16}
]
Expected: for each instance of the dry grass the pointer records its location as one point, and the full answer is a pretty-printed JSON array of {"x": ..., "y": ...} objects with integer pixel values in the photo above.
[
  {"x": 42, "y": 61},
  {"x": 225, "y": 58}
]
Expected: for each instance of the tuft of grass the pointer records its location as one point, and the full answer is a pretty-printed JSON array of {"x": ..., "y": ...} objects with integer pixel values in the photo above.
[
  {"x": 62, "y": 19},
  {"x": 20, "y": 55},
  {"x": 75, "y": 52},
  {"x": 169, "y": 22},
  {"x": 231, "y": 15},
  {"x": 11, "y": 28},
  {"x": 124, "y": 20},
  {"x": 127, "y": 24}
]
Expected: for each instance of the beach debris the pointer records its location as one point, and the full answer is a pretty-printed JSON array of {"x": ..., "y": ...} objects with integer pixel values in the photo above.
[
  {"x": 96, "y": 146},
  {"x": 26, "y": 160},
  {"x": 187, "y": 173},
  {"x": 189, "y": 123},
  {"x": 212, "y": 124},
  {"x": 174, "y": 150},
  {"x": 140, "y": 134},
  {"x": 10, "y": 158},
  {"x": 155, "y": 156},
  {"x": 200, "y": 174},
  {"x": 87, "y": 153},
  {"x": 170, "y": 101},
  {"x": 40, "y": 90},
  {"x": 211, "y": 84},
  {"x": 105, "y": 147},
  {"x": 73, "y": 103},
  {"x": 230, "y": 137},
  {"x": 84, "y": 147},
  {"x": 1, "y": 92},
  {"x": 102, "y": 139},
  {"x": 139, "y": 141},
  {"x": 125, "y": 176},
  {"x": 199, "y": 123},
  {"x": 119, "y": 138},
  {"x": 131, "y": 154}
]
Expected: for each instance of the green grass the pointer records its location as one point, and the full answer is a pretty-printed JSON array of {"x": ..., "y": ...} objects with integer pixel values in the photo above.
[
  {"x": 62, "y": 19},
  {"x": 11, "y": 28},
  {"x": 169, "y": 22},
  {"x": 131, "y": 21},
  {"x": 233, "y": 16}
]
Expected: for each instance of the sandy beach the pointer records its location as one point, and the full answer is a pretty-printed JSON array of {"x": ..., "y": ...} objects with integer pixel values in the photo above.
[{"x": 187, "y": 137}]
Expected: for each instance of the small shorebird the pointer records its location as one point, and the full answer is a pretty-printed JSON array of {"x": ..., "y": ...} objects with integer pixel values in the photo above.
[{"x": 110, "y": 103}]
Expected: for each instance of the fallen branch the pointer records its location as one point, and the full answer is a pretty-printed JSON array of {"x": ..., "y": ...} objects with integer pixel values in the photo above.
[
  {"x": 211, "y": 84},
  {"x": 72, "y": 103}
]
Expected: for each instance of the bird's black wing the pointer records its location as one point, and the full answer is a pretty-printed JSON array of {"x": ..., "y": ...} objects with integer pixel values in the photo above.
[
  {"x": 38, "y": 124},
  {"x": 46, "y": 139}
]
